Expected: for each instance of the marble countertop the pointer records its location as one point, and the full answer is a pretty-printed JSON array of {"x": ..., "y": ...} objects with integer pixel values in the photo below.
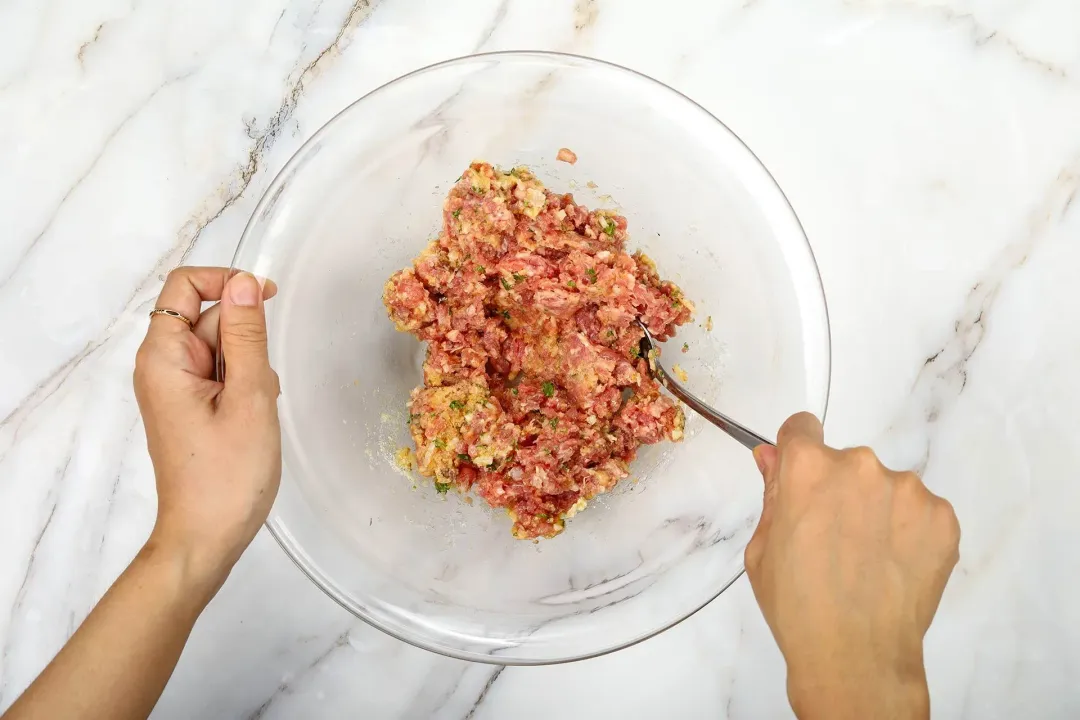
[{"x": 930, "y": 148}]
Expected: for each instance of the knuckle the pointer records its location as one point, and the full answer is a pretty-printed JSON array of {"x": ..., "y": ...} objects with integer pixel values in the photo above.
[
  {"x": 803, "y": 456},
  {"x": 245, "y": 332},
  {"x": 144, "y": 362},
  {"x": 949, "y": 521},
  {"x": 804, "y": 421},
  {"x": 863, "y": 455},
  {"x": 142, "y": 357},
  {"x": 800, "y": 448},
  {"x": 863, "y": 459},
  {"x": 799, "y": 425},
  {"x": 259, "y": 390},
  {"x": 909, "y": 482},
  {"x": 177, "y": 273},
  {"x": 911, "y": 493},
  {"x": 264, "y": 387}
]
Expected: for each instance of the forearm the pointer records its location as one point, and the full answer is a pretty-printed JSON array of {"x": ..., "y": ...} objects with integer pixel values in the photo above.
[{"x": 118, "y": 661}]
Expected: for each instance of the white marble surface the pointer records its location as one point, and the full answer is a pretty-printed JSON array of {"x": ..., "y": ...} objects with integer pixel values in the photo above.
[{"x": 930, "y": 147}]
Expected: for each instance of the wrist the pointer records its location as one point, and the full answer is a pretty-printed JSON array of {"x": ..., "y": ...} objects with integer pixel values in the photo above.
[
  {"x": 860, "y": 689},
  {"x": 198, "y": 572}
]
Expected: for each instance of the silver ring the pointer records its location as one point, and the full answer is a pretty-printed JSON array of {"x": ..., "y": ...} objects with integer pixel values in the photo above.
[{"x": 172, "y": 314}]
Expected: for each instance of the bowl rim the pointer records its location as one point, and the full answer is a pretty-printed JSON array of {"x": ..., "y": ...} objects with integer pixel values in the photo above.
[{"x": 270, "y": 195}]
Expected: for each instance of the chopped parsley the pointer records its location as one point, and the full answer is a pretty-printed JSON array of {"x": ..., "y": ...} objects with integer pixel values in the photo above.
[
  {"x": 463, "y": 457},
  {"x": 609, "y": 229},
  {"x": 513, "y": 391},
  {"x": 635, "y": 352},
  {"x": 478, "y": 190},
  {"x": 506, "y": 285},
  {"x": 440, "y": 443},
  {"x": 686, "y": 347},
  {"x": 480, "y": 269},
  {"x": 610, "y": 333},
  {"x": 456, "y": 213},
  {"x": 571, "y": 284},
  {"x": 549, "y": 388},
  {"x": 591, "y": 272},
  {"x": 518, "y": 279},
  {"x": 542, "y": 516},
  {"x": 441, "y": 488},
  {"x": 554, "y": 422},
  {"x": 457, "y": 405},
  {"x": 506, "y": 314}
]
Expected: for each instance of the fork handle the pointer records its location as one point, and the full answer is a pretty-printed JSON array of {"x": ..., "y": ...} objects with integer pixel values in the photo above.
[{"x": 734, "y": 428}]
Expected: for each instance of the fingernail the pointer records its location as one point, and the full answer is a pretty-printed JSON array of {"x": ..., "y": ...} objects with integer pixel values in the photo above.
[
  {"x": 759, "y": 459},
  {"x": 244, "y": 290}
]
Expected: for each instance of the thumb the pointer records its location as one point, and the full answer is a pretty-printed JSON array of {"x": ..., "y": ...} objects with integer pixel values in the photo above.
[
  {"x": 243, "y": 335},
  {"x": 767, "y": 459}
]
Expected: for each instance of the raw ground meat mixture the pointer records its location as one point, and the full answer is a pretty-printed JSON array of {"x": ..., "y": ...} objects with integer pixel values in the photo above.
[{"x": 534, "y": 396}]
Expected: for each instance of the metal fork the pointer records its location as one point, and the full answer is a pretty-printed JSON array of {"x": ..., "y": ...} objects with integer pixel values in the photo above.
[{"x": 732, "y": 427}]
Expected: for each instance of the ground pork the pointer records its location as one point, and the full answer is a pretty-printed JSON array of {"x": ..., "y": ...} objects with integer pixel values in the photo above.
[{"x": 534, "y": 396}]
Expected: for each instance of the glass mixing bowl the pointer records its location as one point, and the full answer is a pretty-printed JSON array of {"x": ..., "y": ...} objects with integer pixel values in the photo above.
[{"x": 359, "y": 201}]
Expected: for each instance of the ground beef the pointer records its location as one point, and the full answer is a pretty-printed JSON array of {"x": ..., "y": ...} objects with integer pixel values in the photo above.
[{"x": 534, "y": 396}]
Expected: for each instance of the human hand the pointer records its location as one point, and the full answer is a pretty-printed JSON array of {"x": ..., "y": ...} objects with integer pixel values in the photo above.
[
  {"x": 848, "y": 563},
  {"x": 216, "y": 447}
]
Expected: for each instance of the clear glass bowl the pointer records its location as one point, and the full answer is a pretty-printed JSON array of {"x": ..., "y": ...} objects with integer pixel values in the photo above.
[{"x": 362, "y": 197}]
